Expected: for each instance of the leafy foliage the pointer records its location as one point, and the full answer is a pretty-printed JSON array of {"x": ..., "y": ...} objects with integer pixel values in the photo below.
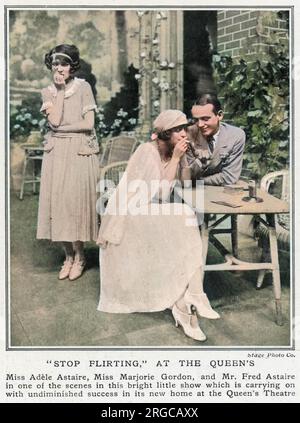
[
  {"x": 256, "y": 98},
  {"x": 121, "y": 112},
  {"x": 25, "y": 118},
  {"x": 120, "y": 123}
]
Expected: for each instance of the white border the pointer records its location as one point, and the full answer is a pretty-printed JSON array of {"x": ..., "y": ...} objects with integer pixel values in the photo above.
[{"x": 18, "y": 361}]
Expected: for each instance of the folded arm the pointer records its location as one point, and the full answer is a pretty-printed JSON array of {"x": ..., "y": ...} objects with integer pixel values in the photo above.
[
  {"x": 54, "y": 112},
  {"x": 231, "y": 170},
  {"x": 197, "y": 163}
]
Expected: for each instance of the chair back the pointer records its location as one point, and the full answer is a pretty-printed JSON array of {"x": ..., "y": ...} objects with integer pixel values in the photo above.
[
  {"x": 118, "y": 149},
  {"x": 113, "y": 171},
  {"x": 110, "y": 176},
  {"x": 278, "y": 184}
]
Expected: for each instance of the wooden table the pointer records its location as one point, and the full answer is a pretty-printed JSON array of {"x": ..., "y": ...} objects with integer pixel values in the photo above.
[{"x": 265, "y": 212}]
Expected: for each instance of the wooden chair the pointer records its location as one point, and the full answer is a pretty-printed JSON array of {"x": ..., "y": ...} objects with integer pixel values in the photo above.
[
  {"x": 33, "y": 154},
  {"x": 118, "y": 149},
  {"x": 278, "y": 184},
  {"x": 110, "y": 176}
]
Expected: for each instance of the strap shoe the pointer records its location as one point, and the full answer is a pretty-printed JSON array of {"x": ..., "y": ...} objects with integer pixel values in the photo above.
[
  {"x": 189, "y": 324},
  {"x": 77, "y": 269},
  {"x": 201, "y": 304},
  {"x": 65, "y": 269}
]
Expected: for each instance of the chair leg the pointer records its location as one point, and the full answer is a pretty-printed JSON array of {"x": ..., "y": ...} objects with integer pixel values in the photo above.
[
  {"x": 234, "y": 235},
  {"x": 23, "y": 177},
  {"x": 265, "y": 257},
  {"x": 33, "y": 177},
  {"x": 260, "y": 278},
  {"x": 275, "y": 271},
  {"x": 278, "y": 310}
]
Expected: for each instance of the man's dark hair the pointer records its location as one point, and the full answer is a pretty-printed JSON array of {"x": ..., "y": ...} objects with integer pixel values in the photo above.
[{"x": 209, "y": 99}]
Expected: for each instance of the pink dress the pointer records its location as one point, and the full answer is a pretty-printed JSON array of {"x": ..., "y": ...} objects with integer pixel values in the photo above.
[{"x": 70, "y": 169}]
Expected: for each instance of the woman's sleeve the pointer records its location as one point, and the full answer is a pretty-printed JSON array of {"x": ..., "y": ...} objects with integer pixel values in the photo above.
[
  {"x": 47, "y": 99},
  {"x": 144, "y": 164},
  {"x": 149, "y": 166},
  {"x": 137, "y": 187},
  {"x": 88, "y": 100}
]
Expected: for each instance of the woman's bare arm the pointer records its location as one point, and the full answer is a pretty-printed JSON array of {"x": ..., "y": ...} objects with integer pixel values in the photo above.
[
  {"x": 54, "y": 113},
  {"x": 170, "y": 171},
  {"x": 185, "y": 171}
]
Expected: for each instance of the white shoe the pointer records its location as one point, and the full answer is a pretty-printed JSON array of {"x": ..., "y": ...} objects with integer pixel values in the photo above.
[
  {"x": 77, "y": 269},
  {"x": 65, "y": 269},
  {"x": 189, "y": 324},
  {"x": 201, "y": 304}
]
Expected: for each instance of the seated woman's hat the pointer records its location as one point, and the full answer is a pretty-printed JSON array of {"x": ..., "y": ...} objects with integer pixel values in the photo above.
[{"x": 169, "y": 119}]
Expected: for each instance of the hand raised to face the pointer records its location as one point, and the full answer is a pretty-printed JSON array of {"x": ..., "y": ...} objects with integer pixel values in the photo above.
[
  {"x": 59, "y": 80},
  {"x": 180, "y": 148}
]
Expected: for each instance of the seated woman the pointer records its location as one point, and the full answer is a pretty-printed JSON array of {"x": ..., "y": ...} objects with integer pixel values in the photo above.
[{"x": 151, "y": 255}]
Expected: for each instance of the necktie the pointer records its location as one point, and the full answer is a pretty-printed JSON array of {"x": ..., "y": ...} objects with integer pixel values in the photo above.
[{"x": 211, "y": 144}]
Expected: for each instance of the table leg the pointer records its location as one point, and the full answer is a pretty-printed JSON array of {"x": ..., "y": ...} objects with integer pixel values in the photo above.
[
  {"x": 204, "y": 237},
  {"x": 23, "y": 177},
  {"x": 234, "y": 235},
  {"x": 275, "y": 272}
]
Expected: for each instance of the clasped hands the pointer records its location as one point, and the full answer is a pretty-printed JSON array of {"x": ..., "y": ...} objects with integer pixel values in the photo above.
[
  {"x": 203, "y": 155},
  {"x": 183, "y": 145}
]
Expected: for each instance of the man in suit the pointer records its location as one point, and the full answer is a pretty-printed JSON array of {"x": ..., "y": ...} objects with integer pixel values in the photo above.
[{"x": 216, "y": 148}]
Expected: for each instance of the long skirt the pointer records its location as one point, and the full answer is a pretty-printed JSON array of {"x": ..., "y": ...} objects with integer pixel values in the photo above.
[
  {"x": 67, "y": 203},
  {"x": 152, "y": 266}
]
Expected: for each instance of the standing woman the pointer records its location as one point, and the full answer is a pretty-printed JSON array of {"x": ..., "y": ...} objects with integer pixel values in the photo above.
[{"x": 67, "y": 204}]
